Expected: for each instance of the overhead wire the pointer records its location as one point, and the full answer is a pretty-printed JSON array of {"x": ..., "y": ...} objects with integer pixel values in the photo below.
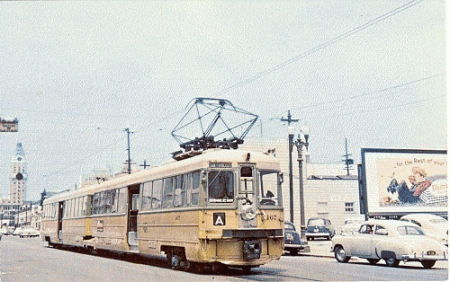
[
  {"x": 321, "y": 46},
  {"x": 265, "y": 72}
]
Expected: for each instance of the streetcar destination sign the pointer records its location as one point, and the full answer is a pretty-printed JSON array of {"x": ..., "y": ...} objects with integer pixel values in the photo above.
[{"x": 219, "y": 165}]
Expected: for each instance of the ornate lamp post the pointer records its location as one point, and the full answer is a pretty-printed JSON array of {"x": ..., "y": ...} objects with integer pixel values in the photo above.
[
  {"x": 299, "y": 143},
  {"x": 291, "y": 185}
]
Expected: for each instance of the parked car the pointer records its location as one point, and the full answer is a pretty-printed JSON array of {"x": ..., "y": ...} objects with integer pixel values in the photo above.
[
  {"x": 319, "y": 228},
  {"x": 28, "y": 231},
  {"x": 4, "y": 231},
  {"x": 432, "y": 225},
  {"x": 390, "y": 240},
  {"x": 351, "y": 225},
  {"x": 292, "y": 240},
  {"x": 16, "y": 231}
]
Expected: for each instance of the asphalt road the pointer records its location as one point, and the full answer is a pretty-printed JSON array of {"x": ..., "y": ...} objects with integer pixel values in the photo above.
[{"x": 26, "y": 259}]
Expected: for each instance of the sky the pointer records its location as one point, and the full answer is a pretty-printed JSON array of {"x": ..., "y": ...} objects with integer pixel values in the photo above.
[{"x": 77, "y": 74}]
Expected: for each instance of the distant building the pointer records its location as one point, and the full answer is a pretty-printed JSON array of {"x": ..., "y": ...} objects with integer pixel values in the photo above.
[
  {"x": 10, "y": 206},
  {"x": 9, "y": 124},
  {"x": 328, "y": 191}
]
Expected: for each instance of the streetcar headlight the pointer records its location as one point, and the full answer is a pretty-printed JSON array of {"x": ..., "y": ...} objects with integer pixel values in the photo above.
[{"x": 248, "y": 213}]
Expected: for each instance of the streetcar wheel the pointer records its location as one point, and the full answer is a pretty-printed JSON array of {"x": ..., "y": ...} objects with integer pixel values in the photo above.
[
  {"x": 219, "y": 268},
  {"x": 246, "y": 268},
  {"x": 293, "y": 252},
  {"x": 373, "y": 261},
  {"x": 428, "y": 263},
  {"x": 392, "y": 261},
  {"x": 340, "y": 255}
]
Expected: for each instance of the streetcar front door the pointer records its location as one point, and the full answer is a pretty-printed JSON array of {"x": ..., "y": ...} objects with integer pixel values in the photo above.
[{"x": 133, "y": 199}]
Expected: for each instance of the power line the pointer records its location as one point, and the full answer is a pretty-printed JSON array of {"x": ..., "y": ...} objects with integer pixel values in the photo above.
[{"x": 321, "y": 46}]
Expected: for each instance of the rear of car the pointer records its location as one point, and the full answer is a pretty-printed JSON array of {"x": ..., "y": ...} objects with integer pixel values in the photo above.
[
  {"x": 432, "y": 225},
  {"x": 28, "y": 231},
  {"x": 319, "y": 228},
  {"x": 292, "y": 240}
]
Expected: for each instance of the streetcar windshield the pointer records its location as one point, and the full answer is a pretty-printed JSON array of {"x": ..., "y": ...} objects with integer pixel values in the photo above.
[
  {"x": 269, "y": 188},
  {"x": 220, "y": 186}
]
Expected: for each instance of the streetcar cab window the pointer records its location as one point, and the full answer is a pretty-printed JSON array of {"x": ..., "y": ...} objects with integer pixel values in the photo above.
[
  {"x": 269, "y": 188},
  {"x": 220, "y": 186},
  {"x": 246, "y": 190}
]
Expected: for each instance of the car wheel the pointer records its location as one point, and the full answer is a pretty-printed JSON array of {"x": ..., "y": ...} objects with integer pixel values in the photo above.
[
  {"x": 340, "y": 255},
  {"x": 392, "y": 261},
  {"x": 373, "y": 261},
  {"x": 293, "y": 252},
  {"x": 428, "y": 263}
]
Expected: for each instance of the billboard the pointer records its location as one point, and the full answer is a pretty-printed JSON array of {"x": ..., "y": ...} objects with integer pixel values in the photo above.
[
  {"x": 403, "y": 181},
  {"x": 9, "y": 124}
]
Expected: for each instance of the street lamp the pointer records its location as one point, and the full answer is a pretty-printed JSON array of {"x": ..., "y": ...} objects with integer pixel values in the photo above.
[
  {"x": 299, "y": 143},
  {"x": 291, "y": 185}
]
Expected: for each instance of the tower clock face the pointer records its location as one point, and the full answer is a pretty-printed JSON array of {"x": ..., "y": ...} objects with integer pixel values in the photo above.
[{"x": 19, "y": 176}]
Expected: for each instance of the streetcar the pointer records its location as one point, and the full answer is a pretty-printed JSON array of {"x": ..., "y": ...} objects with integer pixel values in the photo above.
[{"x": 215, "y": 208}]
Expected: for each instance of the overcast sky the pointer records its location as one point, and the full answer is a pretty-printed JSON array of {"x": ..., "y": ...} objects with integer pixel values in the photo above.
[{"x": 76, "y": 74}]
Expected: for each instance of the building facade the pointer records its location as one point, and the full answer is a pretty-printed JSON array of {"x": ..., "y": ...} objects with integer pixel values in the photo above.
[
  {"x": 18, "y": 176},
  {"x": 328, "y": 191}
]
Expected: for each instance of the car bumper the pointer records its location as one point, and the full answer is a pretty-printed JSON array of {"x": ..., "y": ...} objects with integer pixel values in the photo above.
[
  {"x": 302, "y": 248},
  {"x": 424, "y": 256},
  {"x": 317, "y": 234}
]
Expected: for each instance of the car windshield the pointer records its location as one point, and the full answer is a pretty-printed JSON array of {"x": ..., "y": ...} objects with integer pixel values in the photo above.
[
  {"x": 288, "y": 227},
  {"x": 409, "y": 230},
  {"x": 316, "y": 221},
  {"x": 352, "y": 221}
]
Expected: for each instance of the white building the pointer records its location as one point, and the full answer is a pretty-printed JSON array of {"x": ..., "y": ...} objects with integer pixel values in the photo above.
[{"x": 328, "y": 191}]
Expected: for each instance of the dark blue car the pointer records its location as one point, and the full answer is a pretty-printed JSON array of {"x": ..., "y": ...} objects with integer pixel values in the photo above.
[{"x": 292, "y": 242}]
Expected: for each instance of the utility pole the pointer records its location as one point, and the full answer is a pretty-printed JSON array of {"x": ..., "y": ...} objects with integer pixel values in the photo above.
[
  {"x": 291, "y": 180},
  {"x": 127, "y": 130},
  {"x": 347, "y": 160},
  {"x": 145, "y": 165}
]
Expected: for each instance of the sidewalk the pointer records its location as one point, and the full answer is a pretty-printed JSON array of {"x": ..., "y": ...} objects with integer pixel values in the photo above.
[{"x": 319, "y": 249}]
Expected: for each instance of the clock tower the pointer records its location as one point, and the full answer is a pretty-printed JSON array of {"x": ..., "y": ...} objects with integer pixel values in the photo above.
[{"x": 18, "y": 177}]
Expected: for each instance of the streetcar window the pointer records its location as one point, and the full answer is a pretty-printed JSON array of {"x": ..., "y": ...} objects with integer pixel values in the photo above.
[
  {"x": 122, "y": 201},
  {"x": 102, "y": 208},
  {"x": 82, "y": 207},
  {"x": 65, "y": 210},
  {"x": 157, "y": 194},
  {"x": 110, "y": 201},
  {"x": 114, "y": 200},
  {"x": 179, "y": 192},
  {"x": 147, "y": 196},
  {"x": 88, "y": 205},
  {"x": 95, "y": 203},
  {"x": 168, "y": 192},
  {"x": 69, "y": 208},
  {"x": 194, "y": 188},
  {"x": 246, "y": 171},
  {"x": 268, "y": 188},
  {"x": 221, "y": 186}
]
